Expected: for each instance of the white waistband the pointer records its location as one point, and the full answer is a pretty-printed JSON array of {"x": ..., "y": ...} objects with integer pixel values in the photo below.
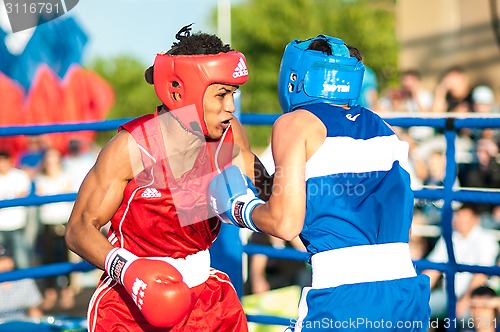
[
  {"x": 195, "y": 268},
  {"x": 359, "y": 264}
]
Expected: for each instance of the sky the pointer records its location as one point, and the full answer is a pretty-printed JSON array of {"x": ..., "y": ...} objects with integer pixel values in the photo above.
[{"x": 140, "y": 28}]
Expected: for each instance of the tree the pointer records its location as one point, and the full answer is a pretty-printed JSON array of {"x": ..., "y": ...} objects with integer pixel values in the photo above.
[
  {"x": 134, "y": 97},
  {"x": 262, "y": 28}
]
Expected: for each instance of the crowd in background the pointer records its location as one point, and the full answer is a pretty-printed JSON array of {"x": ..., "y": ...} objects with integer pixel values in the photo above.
[
  {"x": 477, "y": 150},
  {"x": 475, "y": 227},
  {"x": 34, "y": 235}
]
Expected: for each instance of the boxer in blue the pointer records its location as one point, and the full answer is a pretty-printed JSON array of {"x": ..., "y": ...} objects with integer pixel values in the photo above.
[{"x": 342, "y": 185}]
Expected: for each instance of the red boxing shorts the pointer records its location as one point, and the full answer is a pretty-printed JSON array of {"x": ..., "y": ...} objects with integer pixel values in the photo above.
[{"x": 216, "y": 308}]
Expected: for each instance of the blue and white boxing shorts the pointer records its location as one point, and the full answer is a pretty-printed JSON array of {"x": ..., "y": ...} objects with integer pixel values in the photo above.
[{"x": 364, "y": 288}]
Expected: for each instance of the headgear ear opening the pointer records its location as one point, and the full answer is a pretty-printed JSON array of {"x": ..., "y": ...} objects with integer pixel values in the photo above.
[{"x": 310, "y": 76}]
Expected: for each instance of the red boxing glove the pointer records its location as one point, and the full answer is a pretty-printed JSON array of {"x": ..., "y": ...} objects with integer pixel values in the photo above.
[{"x": 155, "y": 286}]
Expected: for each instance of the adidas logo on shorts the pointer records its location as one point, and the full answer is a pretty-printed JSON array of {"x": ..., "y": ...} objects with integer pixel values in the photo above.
[
  {"x": 150, "y": 193},
  {"x": 241, "y": 69}
]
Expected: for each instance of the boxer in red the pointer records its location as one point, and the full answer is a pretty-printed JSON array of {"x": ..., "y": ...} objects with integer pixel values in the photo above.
[{"x": 150, "y": 182}]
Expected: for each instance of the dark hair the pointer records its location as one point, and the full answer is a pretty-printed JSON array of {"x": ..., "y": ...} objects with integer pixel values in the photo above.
[
  {"x": 320, "y": 45},
  {"x": 197, "y": 43},
  {"x": 323, "y": 46},
  {"x": 412, "y": 72},
  {"x": 452, "y": 69},
  {"x": 192, "y": 44},
  {"x": 74, "y": 146},
  {"x": 43, "y": 168},
  {"x": 471, "y": 206},
  {"x": 354, "y": 52},
  {"x": 483, "y": 291}
]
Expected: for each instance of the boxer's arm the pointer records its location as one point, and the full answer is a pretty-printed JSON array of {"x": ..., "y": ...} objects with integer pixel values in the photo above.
[
  {"x": 283, "y": 215},
  {"x": 99, "y": 197},
  {"x": 249, "y": 163},
  {"x": 296, "y": 137}
]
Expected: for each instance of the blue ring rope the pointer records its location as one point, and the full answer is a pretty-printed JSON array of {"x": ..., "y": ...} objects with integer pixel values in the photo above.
[
  {"x": 462, "y": 195},
  {"x": 46, "y": 271},
  {"x": 246, "y": 119},
  {"x": 450, "y": 125},
  {"x": 61, "y": 127},
  {"x": 403, "y": 122}
]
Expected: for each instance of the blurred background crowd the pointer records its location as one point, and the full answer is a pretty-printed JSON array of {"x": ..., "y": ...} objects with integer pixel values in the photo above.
[{"x": 34, "y": 235}]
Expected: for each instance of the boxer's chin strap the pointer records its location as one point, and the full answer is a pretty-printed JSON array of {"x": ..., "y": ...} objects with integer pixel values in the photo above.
[
  {"x": 221, "y": 141},
  {"x": 198, "y": 132}
]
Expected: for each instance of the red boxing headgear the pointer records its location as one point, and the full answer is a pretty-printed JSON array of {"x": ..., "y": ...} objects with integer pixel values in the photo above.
[{"x": 189, "y": 76}]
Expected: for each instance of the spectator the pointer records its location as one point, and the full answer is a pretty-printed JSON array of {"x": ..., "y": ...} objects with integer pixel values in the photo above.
[
  {"x": 267, "y": 273},
  {"x": 14, "y": 183},
  {"x": 434, "y": 177},
  {"x": 454, "y": 94},
  {"x": 30, "y": 159},
  {"x": 472, "y": 245},
  {"x": 436, "y": 166},
  {"x": 20, "y": 298},
  {"x": 392, "y": 101},
  {"x": 419, "y": 244},
  {"x": 414, "y": 100},
  {"x": 484, "y": 104},
  {"x": 77, "y": 163},
  {"x": 484, "y": 173},
  {"x": 464, "y": 148},
  {"x": 369, "y": 90},
  {"x": 453, "y": 89},
  {"x": 484, "y": 315},
  {"x": 493, "y": 302},
  {"x": 483, "y": 100},
  {"x": 410, "y": 95},
  {"x": 53, "y": 219}
]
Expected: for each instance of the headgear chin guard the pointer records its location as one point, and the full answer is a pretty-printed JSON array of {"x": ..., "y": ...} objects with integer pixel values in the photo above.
[
  {"x": 188, "y": 76},
  {"x": 310, "y": 76}
]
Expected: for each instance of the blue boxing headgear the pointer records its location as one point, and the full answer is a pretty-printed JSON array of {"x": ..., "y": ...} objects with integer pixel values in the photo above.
[{"x": 310, "y": 76}]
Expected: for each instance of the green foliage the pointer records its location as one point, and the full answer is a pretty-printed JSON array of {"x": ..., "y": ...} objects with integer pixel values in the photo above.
[
  {"x": 262, "y": 28},
  {"x": 133, "y": 96}
]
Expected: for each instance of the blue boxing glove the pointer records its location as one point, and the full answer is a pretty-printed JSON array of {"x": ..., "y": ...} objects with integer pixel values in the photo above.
[{"x": 233, "y": 198}]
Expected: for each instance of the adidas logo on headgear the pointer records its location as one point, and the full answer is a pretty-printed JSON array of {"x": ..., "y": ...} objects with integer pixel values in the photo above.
[{"x": 241, "y": 69}]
